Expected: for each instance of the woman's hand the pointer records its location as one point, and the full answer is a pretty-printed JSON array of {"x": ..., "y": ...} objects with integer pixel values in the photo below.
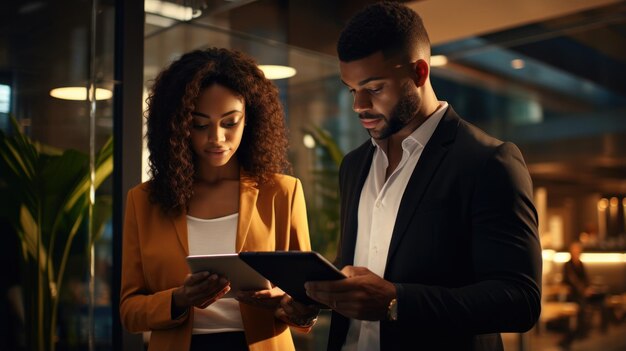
[
  {"x": 285, "y": 308},
  {"x": 269, "y": 298},
  {"x": 200, "y": 290},
  {"x": 295, "y": 313}
]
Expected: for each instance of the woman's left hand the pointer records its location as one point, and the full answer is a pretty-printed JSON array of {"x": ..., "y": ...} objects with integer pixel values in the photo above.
[
  {"x": 286, "y": 309},
  {"x": 296, "y": 314},
  {"x": 269, "y": 298}
]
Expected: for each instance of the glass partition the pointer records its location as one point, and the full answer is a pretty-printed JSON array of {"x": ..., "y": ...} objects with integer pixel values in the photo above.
[{"x": 56, "y": 83}]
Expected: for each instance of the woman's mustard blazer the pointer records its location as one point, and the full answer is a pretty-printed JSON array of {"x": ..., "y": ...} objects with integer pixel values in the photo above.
[{"x": 271, "y": 217}]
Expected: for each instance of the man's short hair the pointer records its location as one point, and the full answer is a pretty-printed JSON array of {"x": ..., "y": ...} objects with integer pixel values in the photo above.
[{"x": 385, "y": 26}]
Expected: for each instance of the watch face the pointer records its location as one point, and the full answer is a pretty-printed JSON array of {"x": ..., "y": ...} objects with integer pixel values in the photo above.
[{"x": 392, "y": 312}]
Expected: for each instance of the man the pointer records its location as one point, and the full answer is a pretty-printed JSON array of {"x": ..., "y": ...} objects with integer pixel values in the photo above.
[
  {"x": 439, "y": 232},
  {"x": 584, "y": 294}
]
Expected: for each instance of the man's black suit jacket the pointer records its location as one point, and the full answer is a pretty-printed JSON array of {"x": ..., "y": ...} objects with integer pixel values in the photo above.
[{"x": 464, "y": 253}]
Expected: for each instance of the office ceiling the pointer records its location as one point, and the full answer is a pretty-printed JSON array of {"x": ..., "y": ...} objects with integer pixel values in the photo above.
[
  {"x": 574, "y": 68},
  {"x": 565, "y": 108}
]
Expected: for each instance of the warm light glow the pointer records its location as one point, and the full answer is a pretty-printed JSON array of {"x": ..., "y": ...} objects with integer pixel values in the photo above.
[
  {"x": 548, "y": 255},
  {"x": 170, "y": 10},
  {"x": 518, "y": 63},
  {"x": 561, "y": 257},
  {"x": 602, "y": 257},
  {"x": 277, "y": 71},
  {"x": 614, "y": 202},
  {"x": 79, "y": 93},
  {"x": 603, "y": 204},
  {"x": 587, "y": 257},
  {"x": 438, "y": 60},
  {"x": 308, "y": 141}
]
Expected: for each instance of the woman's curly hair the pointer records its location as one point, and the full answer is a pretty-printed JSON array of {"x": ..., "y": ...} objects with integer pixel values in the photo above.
[{"x": 263, "y": 148}]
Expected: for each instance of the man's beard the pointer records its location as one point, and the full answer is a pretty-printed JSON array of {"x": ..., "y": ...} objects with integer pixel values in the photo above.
[{"x": 401, "y": 115}]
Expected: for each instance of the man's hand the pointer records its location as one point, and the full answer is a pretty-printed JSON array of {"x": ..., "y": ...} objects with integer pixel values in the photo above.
[{"x": 363, "y": 295}]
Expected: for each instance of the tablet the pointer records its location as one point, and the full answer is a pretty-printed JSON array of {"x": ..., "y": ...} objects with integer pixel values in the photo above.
[
  {"x": 289, "y": 270},
  {"x": 241, "y": 276}
]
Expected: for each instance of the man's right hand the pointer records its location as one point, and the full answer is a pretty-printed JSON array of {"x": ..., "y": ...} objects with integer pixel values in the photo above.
[{"x": 362, "y": 295}]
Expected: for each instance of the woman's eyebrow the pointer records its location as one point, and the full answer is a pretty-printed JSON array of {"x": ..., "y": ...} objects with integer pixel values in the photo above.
[{"x": 200, "y": 114}]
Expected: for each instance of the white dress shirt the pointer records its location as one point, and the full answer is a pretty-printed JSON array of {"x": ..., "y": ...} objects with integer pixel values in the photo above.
[{"x": 378, "y": 208}]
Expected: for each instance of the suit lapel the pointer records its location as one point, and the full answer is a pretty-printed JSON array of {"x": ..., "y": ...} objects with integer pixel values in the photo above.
[
  {"x": 426, "y": 168},
  {"x": 248, "y": 194}
]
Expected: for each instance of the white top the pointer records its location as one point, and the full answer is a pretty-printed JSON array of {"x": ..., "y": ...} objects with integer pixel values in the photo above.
[
  {"x": 378, "y": 208},
  {"x": 214, "y": 236}
]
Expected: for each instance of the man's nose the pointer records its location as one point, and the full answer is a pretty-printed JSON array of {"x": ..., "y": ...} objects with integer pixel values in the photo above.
[{"x": 362, "y": 102}]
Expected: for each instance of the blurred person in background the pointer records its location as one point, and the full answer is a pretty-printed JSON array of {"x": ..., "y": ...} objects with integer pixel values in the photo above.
[{"x": 584, "y": 294}]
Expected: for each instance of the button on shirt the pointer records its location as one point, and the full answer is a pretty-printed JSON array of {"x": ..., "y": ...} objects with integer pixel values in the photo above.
[{"x": 378, "y": 208}]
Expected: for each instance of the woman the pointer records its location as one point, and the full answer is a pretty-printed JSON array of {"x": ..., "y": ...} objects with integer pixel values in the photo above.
[{"x": 217, "y": 142}]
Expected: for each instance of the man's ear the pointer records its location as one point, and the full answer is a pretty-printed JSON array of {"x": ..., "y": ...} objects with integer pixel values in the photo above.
[{"x": 421, "y": 70}]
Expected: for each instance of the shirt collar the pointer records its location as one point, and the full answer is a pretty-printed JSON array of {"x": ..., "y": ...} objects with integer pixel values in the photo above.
[{"x": 421, "y": 135}]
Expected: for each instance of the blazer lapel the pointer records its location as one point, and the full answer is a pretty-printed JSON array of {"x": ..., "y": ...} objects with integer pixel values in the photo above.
[
  {"x": 248, "y": 194},
  {"x": 180, "y": 223},
  {"x": 426, "y": 168}
]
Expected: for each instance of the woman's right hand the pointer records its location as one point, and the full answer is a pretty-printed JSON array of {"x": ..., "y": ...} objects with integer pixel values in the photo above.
[{"x": 200, "y": 290}]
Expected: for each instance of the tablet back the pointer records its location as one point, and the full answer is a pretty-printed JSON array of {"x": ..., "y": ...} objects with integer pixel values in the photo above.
[{"x": 289, "y": 270}]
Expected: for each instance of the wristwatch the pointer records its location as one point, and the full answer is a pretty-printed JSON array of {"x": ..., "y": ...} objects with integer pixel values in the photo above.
[{"x": 392, "y": 310}]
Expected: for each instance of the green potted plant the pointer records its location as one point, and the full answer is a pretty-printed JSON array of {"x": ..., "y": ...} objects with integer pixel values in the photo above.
[
  {"x": 324, "y": 212},
  {"x": 47, "y": 199}
]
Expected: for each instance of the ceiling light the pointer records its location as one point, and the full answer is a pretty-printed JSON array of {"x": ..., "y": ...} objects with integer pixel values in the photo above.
[
  {"x": 308, "y": 141},
  {"x": 79, "y": 93},
  {"x": 517, "y": 63},
  {"x": 438, "y": 60},
  {"x": 277, "y": 71},
  {"x": 171, "y": 10}
]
